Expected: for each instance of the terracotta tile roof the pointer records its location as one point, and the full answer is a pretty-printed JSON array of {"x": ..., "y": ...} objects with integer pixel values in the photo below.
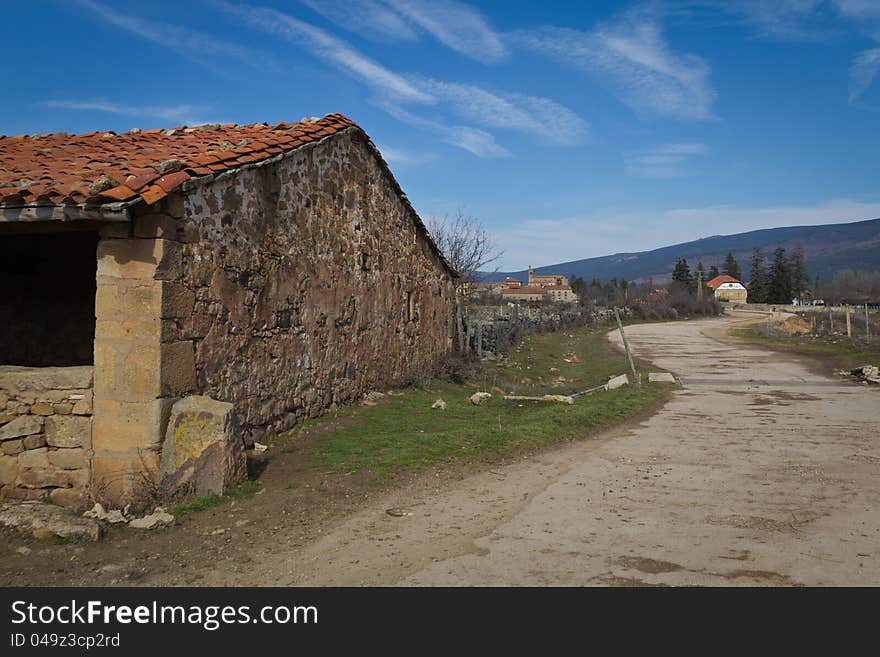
[
  {"x": 534, "y": 289},
  {"x": 103, "y": 167},
  {"x": 524, "y": 290},
  {"x": 723, "y": 278}
]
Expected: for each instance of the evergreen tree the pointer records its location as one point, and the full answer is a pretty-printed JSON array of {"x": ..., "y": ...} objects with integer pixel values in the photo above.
[
  {"x": 579, "y": 287},
  {"x": 758, "y": 278},
  {"x": 713, "y": 272},
  {"x": 731, "y": 266},
  {"x": 779, "y": 280},
  {"x": 610, "y": 290},
  {"x": 800, "y": 280},
  {"x": 682, "y": 274}
]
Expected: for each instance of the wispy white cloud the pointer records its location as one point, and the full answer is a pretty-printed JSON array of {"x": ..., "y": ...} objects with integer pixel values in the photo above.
[
  {"x": 403, "y": 157},
  {"x": 683, "y": 148},
  {"x": 455, "y": 24},
  {"x": 543, "y": 118},
  {"x": 475, "y": 141},
  {"x": 397, "y": 93},
  {"x": 608, "y": 232},
  {"x": 859, "y": 9},
  {"x": 862, "y": 72},
  {"x": 195, "y": 45},
  {"x": 177, "y": 114},
  {"x": 780, "y": 20},
  {"x": 632, "y": 55},
  {"x": 865, "y": 16},
  {"x": 371, "y": 18},
  {"x": 328, "y": 47},
  {"x": 664, "y": 161},
  {"x": 805, "y": 21}
]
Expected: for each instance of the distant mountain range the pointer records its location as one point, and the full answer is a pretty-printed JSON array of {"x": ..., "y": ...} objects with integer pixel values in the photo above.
[{"x": 827, "y": 249}]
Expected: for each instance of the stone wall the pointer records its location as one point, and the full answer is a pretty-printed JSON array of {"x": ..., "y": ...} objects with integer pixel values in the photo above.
[
  {"x": 285, "y": 288},
  {"x": 313, "y": 285},
  {"x": 46, "y": 433},
  {"x": 141, "y": 369},
  {"x": 489, "y": 330}
]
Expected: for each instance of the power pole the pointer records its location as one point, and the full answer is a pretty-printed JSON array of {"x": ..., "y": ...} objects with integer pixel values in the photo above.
[
  {"x": 848, "y": 325},
  {"x": 699, "y": 284}
]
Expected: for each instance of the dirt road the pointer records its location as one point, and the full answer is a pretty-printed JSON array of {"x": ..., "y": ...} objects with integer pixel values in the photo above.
[{"x": 756, "y": 472}]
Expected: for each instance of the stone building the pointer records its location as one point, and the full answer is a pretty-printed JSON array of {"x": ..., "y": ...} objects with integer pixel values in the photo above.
[
  {"x": 546, "y": 279},
  {"x": 532, "y": 293},
  {"x": 727, "y": 288},
  {"x": 279, "y": 268}
]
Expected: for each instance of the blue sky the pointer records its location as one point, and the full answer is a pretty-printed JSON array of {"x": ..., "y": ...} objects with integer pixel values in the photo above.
[{"x": 572, "y": 129}]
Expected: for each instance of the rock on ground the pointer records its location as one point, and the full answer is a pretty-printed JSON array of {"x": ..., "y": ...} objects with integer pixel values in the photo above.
[
  {"x": 479, "y": 398},
  {"x": 203, "y": 451},
  {"x": 48, "y": 520},
  {"x": 158, "y": 518},
  {"x": 98, "y": 513},
  {"x": 617, "y": 381},
  {"x": 439, "y": 404},
  {"x": 870, "y": 373}
]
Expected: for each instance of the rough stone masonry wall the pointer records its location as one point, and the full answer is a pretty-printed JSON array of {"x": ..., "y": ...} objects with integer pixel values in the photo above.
[
  {"x": 285, "y": 289},
  {"x": 312, "y": 285},
  {"x": 46, "y": 434}
]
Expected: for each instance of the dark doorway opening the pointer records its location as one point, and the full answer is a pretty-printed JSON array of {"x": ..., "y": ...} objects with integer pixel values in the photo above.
[{"x": 47, "y": 298}]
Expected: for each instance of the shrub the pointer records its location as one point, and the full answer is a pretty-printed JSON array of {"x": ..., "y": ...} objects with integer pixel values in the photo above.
[
  {"x": 458, "y": 367},
  {"x": 686, "y": 304}
]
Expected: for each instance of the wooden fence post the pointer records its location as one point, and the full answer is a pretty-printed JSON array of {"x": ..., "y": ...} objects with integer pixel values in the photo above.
[{"x": 636, "y": 381}]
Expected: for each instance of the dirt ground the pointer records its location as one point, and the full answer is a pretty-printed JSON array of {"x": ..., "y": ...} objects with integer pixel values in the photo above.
[{"x": 761, "y": 470}]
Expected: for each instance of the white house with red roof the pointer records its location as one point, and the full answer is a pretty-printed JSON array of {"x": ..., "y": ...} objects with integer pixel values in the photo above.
[{"x": 728, "y": 288}]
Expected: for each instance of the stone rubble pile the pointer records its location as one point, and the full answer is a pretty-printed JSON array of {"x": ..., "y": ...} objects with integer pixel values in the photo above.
[
  {"x": 158, "y": 518},
  {"x": 867, "y": 373}
]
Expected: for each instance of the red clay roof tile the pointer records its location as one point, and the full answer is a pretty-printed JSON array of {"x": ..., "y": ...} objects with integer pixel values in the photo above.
[
  {"x": 723, "y": 278},
  {"x": 142, "y": 180},
  {"x": 119, "y": 193},
  {"x": 64, "y": 166},
  {"x": 172, "y": 181},
  {"x": 152, "y": 194}
]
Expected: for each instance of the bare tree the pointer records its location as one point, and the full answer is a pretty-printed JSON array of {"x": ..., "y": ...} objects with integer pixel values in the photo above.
[{"x": 465, "y": 242}]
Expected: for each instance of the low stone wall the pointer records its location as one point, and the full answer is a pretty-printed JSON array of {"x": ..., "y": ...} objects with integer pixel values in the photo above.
[
  {"x": 789, "y": 308},
  {"x": 490, "y": 329},
  {"x": 46, "y": 434}
]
